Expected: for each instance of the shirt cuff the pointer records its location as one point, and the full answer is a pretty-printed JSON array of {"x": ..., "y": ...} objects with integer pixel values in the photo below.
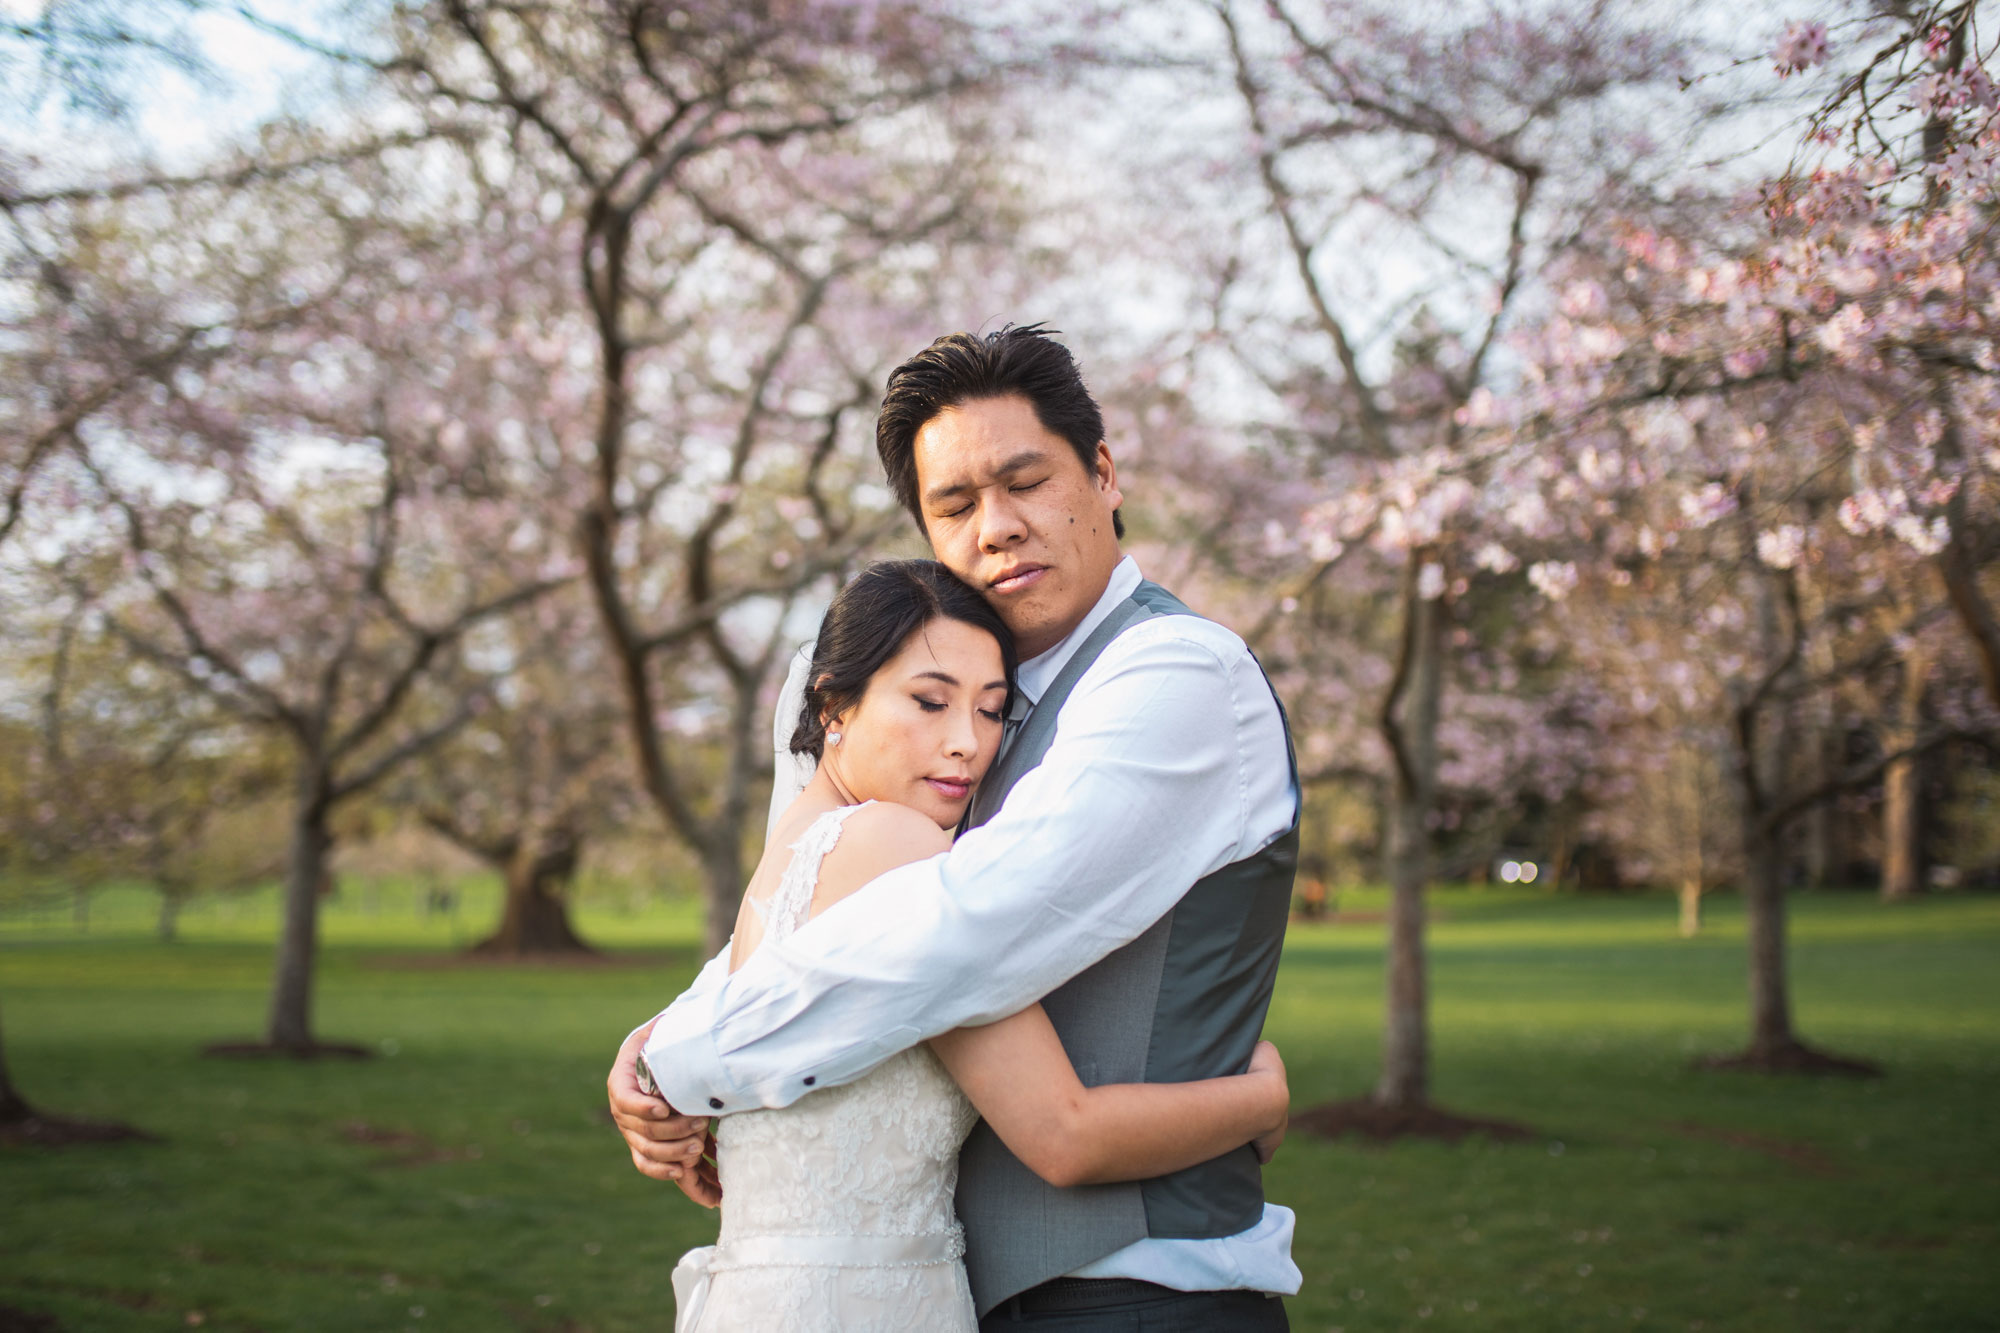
[{"x": 686, "y": 1065}]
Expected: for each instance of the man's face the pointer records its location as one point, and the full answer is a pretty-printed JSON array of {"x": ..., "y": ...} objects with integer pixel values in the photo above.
[{"x": 1011, "y": 510}]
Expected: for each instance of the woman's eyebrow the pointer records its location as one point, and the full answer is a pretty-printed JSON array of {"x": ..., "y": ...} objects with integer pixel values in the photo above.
[{"x": 937, "y": 675}]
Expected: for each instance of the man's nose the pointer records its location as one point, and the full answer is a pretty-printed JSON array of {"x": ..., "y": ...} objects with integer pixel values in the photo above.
[{"x": 1000, "y": 523}]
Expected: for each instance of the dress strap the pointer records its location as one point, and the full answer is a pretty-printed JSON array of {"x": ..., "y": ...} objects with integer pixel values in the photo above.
[{"x": 791, "y": 901}]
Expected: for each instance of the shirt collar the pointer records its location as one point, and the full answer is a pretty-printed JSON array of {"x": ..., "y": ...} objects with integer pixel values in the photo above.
[{"x": 1035, "y": 675}]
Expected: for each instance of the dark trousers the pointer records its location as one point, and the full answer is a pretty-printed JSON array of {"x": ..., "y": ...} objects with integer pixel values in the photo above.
[{"x": 1122, "y": 1305}]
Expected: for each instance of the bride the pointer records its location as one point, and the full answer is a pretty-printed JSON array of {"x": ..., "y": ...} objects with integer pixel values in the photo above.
[{"x": 837, "y": 1210}]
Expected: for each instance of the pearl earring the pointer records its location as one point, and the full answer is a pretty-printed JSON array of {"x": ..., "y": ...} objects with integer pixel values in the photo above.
[{"x": 833, "y": 738}]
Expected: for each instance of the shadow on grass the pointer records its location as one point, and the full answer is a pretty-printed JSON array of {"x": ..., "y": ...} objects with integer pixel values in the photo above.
[{"x": 1366, "y": 1118}]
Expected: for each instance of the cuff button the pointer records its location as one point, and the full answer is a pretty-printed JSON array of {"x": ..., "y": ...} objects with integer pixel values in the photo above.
[
  {"x": 715, "y": 1102},
  {"x": 811, "y": 1079}
]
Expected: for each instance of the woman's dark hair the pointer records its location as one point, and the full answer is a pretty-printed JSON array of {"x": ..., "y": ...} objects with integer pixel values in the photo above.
[
  {"x": 869, "y": 622},
  {"x": 1024, "y": 361}
]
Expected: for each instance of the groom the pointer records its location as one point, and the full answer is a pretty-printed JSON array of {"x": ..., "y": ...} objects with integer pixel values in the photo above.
[{"x": 1128, "y": 862}]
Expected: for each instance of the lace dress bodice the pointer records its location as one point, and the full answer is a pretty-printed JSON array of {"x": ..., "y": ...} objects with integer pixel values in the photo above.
[{"x": 837, "y": 1209}]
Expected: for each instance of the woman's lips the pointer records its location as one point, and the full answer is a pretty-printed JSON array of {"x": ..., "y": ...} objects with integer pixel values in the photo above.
[
  {"x": 1024, "y": 578},
  {"x": 950, "y": 788}
]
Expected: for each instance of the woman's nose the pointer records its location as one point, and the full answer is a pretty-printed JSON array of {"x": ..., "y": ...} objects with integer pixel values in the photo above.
[{"x": 963, "y": 741}]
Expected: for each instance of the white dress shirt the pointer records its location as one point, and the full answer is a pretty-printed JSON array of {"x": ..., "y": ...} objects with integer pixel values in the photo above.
[{"x": 1168, "y": 763}]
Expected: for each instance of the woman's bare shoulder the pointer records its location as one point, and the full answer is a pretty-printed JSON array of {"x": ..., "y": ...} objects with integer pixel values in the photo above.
[{"x": 873, "y": 841}]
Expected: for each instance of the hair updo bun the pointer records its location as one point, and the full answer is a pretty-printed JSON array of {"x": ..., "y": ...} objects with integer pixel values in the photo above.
[{"x": 869, "y": 622}]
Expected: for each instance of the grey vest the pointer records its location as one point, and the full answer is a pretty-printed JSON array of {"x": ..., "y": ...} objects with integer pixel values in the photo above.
[{"x": 1185, "y": 1000}]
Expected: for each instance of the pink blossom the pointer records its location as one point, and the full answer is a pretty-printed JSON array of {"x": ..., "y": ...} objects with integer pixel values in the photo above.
[
  {"x": 1870, "y": 510},
  {"x": 1921, "y": 537},
  {"x": 1707, "y": 506},
  {"x": 1553, "y": 579},
  {"x": 1496, "y": 558},
  {"x": 1800, "y": 47},
  {"x": 1781, "y": 547}
]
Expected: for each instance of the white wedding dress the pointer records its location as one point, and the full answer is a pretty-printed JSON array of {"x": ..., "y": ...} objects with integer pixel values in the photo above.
[{"x": 837, "y": 1210}]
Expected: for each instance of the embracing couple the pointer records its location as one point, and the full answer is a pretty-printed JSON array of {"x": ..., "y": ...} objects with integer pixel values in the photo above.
[{"x": 1055, "y": 1012}]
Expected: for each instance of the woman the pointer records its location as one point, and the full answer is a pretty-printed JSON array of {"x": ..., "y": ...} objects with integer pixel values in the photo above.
[{"x": 838, "y": 1208}]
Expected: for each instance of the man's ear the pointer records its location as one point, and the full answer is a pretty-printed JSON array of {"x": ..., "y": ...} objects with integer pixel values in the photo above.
[{"x": 1105, "y": 473}]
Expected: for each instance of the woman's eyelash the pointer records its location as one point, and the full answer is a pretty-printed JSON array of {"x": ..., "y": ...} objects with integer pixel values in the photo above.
[
  {"x": 990, "y": 714},
  {"x": 928, "y": 705}
]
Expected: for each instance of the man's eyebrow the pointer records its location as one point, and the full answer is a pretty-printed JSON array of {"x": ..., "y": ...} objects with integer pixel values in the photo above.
[{"x": 1025, "y": 459}]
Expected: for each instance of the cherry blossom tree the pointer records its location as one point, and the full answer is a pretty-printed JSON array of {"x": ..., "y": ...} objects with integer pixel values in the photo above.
[
  {"x": 760, "y": 204},
  {"x": 1472, "y": 146},
  {"x": 526, "y": 784},
  {"x": 293, "y": 527},
  {"x": 1792, "y": 407},
  {"x": 119, "y": 773}
]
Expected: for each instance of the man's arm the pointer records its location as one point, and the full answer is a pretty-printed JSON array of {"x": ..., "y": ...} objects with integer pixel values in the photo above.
[{"x": 1166, "y": 749}]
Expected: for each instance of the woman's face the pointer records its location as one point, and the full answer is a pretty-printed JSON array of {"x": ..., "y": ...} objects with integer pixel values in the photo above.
[{"x": 926, "y": 729}]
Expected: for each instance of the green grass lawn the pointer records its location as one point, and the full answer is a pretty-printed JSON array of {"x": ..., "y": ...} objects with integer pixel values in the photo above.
[{"x": 467, "y": 1179}]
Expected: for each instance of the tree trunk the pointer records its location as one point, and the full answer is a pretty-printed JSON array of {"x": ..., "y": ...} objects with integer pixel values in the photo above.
[
  {"x": 14, "y": 1108},
  {"x": 1902, "y": 822},
  {"x": 168, "y": 924},
  {"x": 1690, "y": 816},
  {"x": 535, "y": 918},
  {"x": 305, "y": 873},
  {"x": 1690, "y": 897},
  {"x": 1902, "y": 830},
  {"x": 1405, "y": 1077},
  {"x": 1764, "y": 901},
  {"x": 1820, "y": 827},
  {"x": 722, "y": 875}
]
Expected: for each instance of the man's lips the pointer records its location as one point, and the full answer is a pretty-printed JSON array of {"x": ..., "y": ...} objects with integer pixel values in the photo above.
[
  {"x": 1019, "y": 577},
  {"x": 952, "y": 789}
]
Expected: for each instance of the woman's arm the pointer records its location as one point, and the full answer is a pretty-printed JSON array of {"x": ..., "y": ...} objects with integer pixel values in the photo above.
[{"x": 1020, "y": 1079}]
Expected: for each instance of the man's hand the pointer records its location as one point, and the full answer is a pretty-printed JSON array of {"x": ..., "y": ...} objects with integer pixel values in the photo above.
[
  {"x": 665, "y": 1144},
  {"x": 1265, "y": 1060}
]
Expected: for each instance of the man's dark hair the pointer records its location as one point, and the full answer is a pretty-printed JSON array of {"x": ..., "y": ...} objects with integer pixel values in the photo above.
[
  {"x": 869, "y": 622},
  {"x": 1023, "y": 360}
]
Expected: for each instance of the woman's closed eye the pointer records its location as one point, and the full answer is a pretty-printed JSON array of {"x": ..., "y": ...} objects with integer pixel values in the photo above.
[
  {"x": 929, "y": 705},
  {"x": 991, "y": 714}
]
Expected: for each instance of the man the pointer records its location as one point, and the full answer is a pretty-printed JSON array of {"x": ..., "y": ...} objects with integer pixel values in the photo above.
[{"x": 1128, "y": 861}]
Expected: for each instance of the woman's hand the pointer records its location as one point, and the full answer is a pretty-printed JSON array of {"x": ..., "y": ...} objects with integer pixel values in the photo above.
[{"x": 1266, "y": 1063}]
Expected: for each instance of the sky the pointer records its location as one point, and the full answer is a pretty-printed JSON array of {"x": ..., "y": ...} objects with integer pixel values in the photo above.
[{"x": 174, "y": 117}]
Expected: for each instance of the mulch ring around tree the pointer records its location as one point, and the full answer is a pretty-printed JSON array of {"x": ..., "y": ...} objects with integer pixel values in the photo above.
[
  {"x": 54, "y": 1131},
  {"x": 1362, "y": 1116},
  {"x": 475, "y": 960},
  {"x": 264, "y": 1050},
  {"x": 1794, "y": 1058}
]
